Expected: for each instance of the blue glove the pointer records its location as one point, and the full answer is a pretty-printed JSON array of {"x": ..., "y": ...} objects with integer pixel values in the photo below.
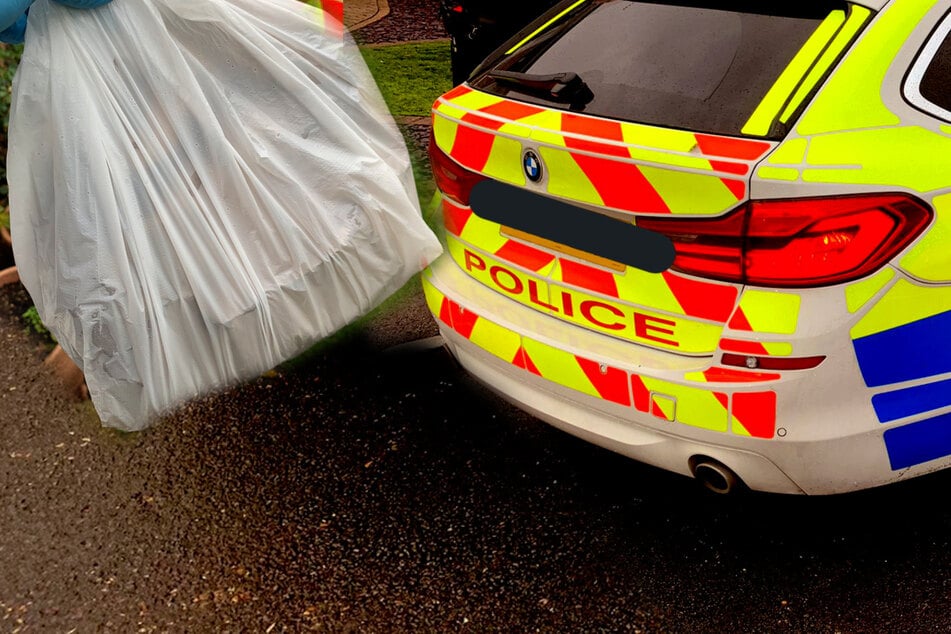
[
  {"x": 14, "y": 34},
  {"x": 84, "y": 4},
  {"x": 13, "y": 20}
]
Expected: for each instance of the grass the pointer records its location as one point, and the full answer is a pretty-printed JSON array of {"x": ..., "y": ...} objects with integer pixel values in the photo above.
[
  {"x": 35, "y": 325},
  {"x": 9, "y": 59},
  {"x": 410, "y": 76}
]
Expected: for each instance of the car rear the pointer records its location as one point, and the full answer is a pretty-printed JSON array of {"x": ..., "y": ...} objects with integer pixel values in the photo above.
[{"x": 665, "y": 118}]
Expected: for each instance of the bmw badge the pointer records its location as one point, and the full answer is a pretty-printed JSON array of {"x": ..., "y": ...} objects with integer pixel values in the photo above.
[{"x": 532, "y": 166}]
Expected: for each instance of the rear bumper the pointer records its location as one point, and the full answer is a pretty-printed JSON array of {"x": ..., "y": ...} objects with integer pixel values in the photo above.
[
  {"x": 587, "y": 385},
  {"x": 585, "y": 418}
]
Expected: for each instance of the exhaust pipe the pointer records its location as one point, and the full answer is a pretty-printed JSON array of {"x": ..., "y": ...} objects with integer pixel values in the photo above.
[{"x": 714, "y": 475}]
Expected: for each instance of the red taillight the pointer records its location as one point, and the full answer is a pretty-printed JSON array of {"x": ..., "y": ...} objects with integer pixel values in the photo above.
[
  {"x": 452, "y": 179},
  {"x": 796, "y": 243}
]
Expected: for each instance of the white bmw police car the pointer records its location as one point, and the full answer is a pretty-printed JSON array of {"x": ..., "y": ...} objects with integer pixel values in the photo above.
[{"x": 711, "y": 235}]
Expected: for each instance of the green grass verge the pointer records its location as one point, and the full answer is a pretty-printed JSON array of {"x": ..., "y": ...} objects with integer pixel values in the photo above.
[
  {"x": 410, "y": 76},
  {"x": 9, "y": 59}
]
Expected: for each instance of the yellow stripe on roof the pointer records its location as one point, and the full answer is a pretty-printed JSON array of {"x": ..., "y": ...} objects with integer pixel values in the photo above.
[
  {"x": 768, "y": 110},
  {"x": 544, "y": 26},
  {"x": 857, "y": 18}
]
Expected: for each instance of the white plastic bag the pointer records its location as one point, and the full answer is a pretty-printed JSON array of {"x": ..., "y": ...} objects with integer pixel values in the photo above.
[{"x": 199, "y": 190}]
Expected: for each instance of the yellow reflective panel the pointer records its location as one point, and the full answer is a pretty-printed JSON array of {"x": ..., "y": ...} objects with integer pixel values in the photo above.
[
  {"x": 858, "y": 294},
  {"x": 857, "y": 18},
  {"x": 696, "y": 377},
  {"x": 483, "y": 234},
  {"x": 505, "y": 161},
  {"x": 907, "y": 156},
  {"x": 689, "y": 193},
  {"x": 700, "y": 408},
  {"x": 777, "y": 349},
  {"x": 475, "y": 100},
  {"x": 495, "y": 339},
  {"x": 778, "y": 173},
  {"x": 516, "y": 129},
  {"x": 647, "y": 289},
  {"x": 930, "y": 258},
  {"x": 771, "y": 311},
  {"x": 696, "y": 407},
  {"x": 902, "y": 304},
  {"x": 433, "y": 296},
  {"x": 544, "y": 27},
  {"x": 445, "y": 132},
  {"x": 559, "y": 366},
  {"x": 566, "y": 178},
  {"x": 658, "y": 138},
  {"x": 768, "y": 110},
  {"x": 790, "y": 152},
  {"x": 545, "y": 127},
  {"x": 446, "y": 108},
  {"x": 852, "y": 97}
]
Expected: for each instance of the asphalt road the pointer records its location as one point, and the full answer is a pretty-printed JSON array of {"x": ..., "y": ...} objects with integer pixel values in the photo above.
[{"x": 361, "y": 491}]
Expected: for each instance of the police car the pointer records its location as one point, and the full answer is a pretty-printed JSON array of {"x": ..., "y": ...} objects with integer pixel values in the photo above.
[{"x": 711, "y": 236}]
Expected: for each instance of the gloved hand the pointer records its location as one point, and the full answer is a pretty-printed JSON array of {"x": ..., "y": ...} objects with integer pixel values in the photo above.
[
  {"x": 83, "y": 4},
  {"x": 13, "y": 16},
  {"x": 13, "y": 20}
]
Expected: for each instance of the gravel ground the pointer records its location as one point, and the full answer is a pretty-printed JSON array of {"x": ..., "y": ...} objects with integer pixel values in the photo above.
[{"x": 417, "y": 136}]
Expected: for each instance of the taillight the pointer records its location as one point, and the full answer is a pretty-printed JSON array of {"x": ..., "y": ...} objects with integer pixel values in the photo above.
[
  {"x": 452, "y": 179},
  {"x": 796, "y": 243}
]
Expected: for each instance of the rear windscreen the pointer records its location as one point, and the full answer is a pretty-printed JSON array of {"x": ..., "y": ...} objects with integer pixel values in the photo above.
[{"x": 702, "y": 66}]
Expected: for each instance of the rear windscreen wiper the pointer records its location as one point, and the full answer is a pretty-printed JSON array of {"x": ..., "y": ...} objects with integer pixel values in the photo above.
[{"x": 561, "y": 87}]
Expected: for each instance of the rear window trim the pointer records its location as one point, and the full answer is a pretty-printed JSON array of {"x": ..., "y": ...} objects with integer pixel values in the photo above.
[{"x": 911, "y": 89}]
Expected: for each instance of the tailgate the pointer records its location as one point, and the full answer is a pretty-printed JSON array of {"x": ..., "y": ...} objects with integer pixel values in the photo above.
[
  {"x": 608, "y": 167},
  {"x": 680, "y": 101}
]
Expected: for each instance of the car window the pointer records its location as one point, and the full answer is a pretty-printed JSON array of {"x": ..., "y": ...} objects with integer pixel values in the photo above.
[
  {"x": 928, "y": 85},
  {"x": 703, "y": 66}
]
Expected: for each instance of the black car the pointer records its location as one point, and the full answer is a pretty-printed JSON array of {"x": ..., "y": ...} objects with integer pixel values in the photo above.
[{"x": 478, "y": 27}]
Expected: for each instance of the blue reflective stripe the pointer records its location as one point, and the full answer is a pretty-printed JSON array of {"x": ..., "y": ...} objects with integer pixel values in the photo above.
[
  {"x": 914, "y": 400},
  {"x": 919, "y": 442},
  {"x": 914, "y": 351}
]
